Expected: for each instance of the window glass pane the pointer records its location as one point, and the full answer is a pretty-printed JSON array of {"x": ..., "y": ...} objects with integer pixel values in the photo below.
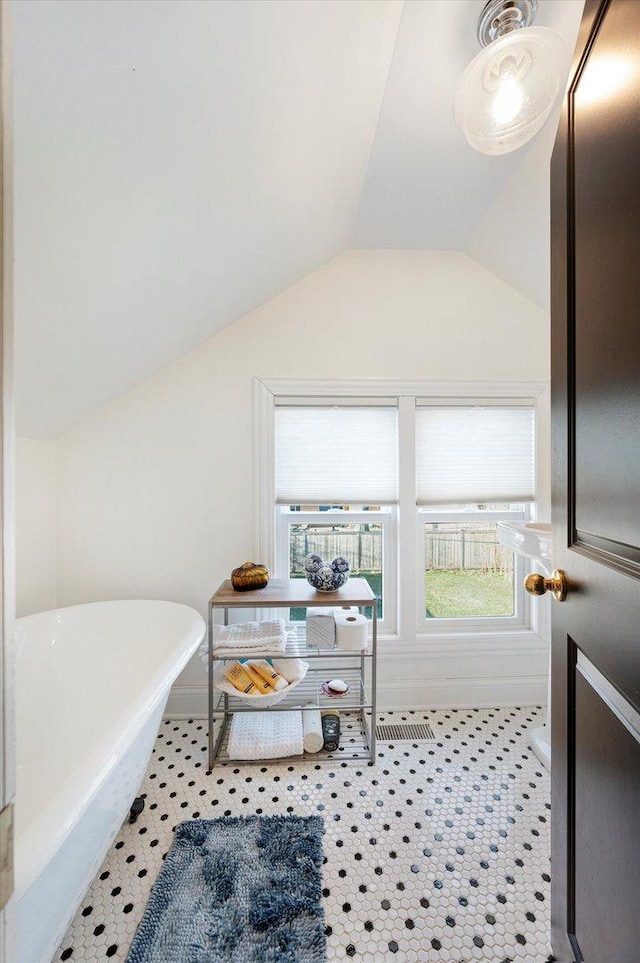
[
  {"x": 468, "y": 574},
  {"x": 361, "y": 544}
]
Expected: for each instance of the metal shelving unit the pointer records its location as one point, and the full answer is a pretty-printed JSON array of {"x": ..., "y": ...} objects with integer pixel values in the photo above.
[{"x": 357, "y": 707}]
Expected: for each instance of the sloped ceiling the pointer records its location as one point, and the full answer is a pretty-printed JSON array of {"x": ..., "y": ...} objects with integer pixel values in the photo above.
[
  {"x": 178, "y": 162},
  {"x": 425, "y": 186}
]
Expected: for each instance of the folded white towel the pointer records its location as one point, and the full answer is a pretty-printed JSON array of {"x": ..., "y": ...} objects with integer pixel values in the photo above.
[
  {"x": 257, "y": 635},
  {"x": 245, "y": 639},
  {"x": 265, "y": 735}
]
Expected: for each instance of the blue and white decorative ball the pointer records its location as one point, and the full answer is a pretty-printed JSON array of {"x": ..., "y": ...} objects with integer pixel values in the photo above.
[
  {"x": 340, "y": 564},
  {"x": 312, "y": 563},
  {"x": 326, "y": 576}
]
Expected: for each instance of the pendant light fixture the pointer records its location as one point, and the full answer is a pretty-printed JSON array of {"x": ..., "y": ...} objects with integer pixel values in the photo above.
[{"x": 507, "y": 92}]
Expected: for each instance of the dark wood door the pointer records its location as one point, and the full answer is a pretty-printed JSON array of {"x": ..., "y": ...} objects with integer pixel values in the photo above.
[{"x": 595, "y": 321}]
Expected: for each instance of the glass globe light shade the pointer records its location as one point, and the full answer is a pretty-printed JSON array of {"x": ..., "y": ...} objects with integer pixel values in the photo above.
[{"x": 507, "y": 92}]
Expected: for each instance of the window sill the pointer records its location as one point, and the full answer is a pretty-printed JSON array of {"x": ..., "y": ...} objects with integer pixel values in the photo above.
[{"x": 521, "y": 639}]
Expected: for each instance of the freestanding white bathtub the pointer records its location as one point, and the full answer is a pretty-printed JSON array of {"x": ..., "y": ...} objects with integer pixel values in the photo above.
[{"x": 92, "y": 684}]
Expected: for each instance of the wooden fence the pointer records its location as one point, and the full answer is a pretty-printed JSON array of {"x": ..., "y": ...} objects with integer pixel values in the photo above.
[
  {"x": 465, "y": 548},
  {"x": 362, "y": 549},
  {"x": 446, "y": 548}
]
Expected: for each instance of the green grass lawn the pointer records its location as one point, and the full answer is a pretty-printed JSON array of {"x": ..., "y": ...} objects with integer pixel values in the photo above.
[
  {"x": 457, "y": 594},
  {"x": 451, "y": 594}
]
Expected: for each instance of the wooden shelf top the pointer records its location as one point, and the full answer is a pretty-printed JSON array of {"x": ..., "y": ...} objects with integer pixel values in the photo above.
[{"x": 286, "y": 592}]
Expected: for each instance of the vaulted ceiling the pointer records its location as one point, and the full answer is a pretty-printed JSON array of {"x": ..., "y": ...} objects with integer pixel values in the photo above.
[
  {"x": 425, "y": 187},
  {"x": 178, "y": 162}
]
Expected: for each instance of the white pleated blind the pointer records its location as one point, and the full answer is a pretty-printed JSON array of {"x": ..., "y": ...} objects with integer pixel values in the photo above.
[
  {"x": 472, "y": 454},
  {"x": 335, "y": 455}
]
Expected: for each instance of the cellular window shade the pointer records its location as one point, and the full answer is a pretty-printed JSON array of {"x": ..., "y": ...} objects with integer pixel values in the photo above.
[
  {"x": 475, "y": 455},
  {"x": 336, "y": 455}
]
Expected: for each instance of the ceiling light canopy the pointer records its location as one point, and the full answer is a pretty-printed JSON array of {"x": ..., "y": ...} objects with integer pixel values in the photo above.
[{"x": 507, "y": 92}]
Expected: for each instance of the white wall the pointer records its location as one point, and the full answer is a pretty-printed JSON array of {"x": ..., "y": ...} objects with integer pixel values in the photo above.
[
  {"x": 155, "y": 492},
  {"x": 513, "y": 239},
  {"x": 35, "y": 526}
]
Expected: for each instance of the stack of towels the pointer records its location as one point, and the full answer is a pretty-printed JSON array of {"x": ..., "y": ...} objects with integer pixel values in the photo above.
[
  {"x": 246, "y": 640},
  {"x": 250, "y": 638}
]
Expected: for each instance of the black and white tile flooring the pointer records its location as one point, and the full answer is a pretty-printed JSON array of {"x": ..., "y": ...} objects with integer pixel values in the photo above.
[{"x": 438, "y": 853}]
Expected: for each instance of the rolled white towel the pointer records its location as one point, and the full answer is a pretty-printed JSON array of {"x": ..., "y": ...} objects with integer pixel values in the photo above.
[
  {"x": 291, "y": 668},
  {"x": 312, "y": 728}
]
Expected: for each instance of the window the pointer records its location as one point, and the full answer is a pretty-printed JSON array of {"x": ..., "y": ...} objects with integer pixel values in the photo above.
[
  {"x": 483, "y": 458},
  {"x": 337, "y": 490},
  {"x": 409, "y": 487}
]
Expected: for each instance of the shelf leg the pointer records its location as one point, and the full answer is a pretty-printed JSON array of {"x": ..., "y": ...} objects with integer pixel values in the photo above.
[
  {"x": 210, "y": 674},
  {"x": 374, "y": 695},
  {"x": 224, "y": 722}
]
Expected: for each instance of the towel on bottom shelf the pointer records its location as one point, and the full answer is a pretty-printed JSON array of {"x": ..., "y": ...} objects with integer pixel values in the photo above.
[{"x": 266, "y": 735}]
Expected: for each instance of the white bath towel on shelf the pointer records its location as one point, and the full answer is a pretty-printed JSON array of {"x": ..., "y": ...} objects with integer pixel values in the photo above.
[
  {"x": 244, "y": 639},
  {"x": 265, "y": 636},
  {"x": 266, "y": 735}
]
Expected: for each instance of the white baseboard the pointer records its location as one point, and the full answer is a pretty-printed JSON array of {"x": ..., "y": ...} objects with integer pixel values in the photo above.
[
  {"x": 190, "y": 701},
  {"x": 187, "y": 702},
  {"x": 463, "y": 693}
]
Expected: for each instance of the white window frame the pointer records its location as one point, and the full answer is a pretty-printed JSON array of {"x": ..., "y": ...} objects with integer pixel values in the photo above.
[{"x": 460, "y": 633}]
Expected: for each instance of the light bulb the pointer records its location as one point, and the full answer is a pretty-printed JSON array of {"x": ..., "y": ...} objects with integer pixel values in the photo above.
[
  {"x": 507, "y": 92},
  {"x": 508, "y": 100}
]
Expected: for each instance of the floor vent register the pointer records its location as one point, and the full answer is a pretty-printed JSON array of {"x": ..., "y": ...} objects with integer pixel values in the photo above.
[{"x": 407, "y": 732}]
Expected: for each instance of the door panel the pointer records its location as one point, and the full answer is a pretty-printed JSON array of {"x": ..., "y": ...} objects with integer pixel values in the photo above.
[
  {"x": 595, "y": 306},
  {"x": 607, "y": 827},
  {"x": 606, "y": 148}
]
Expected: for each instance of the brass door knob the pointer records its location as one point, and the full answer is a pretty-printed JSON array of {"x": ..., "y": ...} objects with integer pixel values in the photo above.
[{"x": 536, "y": 584}]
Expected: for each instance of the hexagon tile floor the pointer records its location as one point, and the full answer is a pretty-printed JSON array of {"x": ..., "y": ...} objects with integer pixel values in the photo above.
[{"x": 438, "y": 854}]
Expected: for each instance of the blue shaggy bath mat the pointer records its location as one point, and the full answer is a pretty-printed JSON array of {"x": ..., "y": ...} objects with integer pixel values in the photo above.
[{"x": 241, "y": 889}]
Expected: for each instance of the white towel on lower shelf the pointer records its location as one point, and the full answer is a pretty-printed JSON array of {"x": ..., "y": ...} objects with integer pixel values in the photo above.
[{"x": 266, "y": 735}]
